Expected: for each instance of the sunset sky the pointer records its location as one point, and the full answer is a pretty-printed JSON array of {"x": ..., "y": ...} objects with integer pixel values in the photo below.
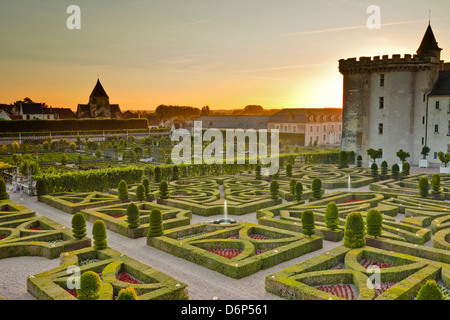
[{"x": 221, "y": 53}]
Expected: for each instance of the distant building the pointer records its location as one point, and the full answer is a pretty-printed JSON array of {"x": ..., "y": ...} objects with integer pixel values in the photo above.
[
  {"x": 152, "y": 121},
  {"x": 234, "y": 122},
  {"x": 99, "y": 106},
  {"x": 130, "y": 115},
  {"x": 312, "y": 125},
  {"x": 397, "y": 103},
  {"x": 63, "y": 113},
  {"x": 32, "y": 111}
]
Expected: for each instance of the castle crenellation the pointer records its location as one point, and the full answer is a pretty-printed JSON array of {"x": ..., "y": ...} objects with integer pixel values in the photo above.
[{"x": 396, "y": 61}]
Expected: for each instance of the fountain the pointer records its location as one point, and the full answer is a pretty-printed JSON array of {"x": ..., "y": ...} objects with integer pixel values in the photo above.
[
  {"x": 225, "y": 220},
  {"x": 349, "y": 184}
]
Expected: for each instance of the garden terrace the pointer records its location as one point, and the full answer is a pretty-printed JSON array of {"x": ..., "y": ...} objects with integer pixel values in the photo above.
[
  {"x": 115, "y": 217},
  {"x": 12, "y": 211},
  {"x": 35, "y": 236},
  {"x": 72, "y": 202},
  {"x": 236, "y": 250},
  {"x": 288, "y": 216},
  {"x": 317, "y": 278},
  {"x": 409, "y": 186},
  {"x": 117, "y": 271}
]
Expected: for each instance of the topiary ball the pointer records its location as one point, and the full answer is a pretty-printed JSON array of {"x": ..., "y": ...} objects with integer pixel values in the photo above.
[
  {"x": 90, "y": 285},
  {"x": 127, "y": 294}
]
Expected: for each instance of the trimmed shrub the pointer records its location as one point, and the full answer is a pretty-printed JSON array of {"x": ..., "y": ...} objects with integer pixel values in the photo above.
[
  {"x": 99, "y": 235},
  {"x": 359, "y": 161},
  {"x": 133, "y": 216},
  {"x": 123, "y": 190},
  {"x": 175, "y": 173},
  {"x": 316, "y": 187},
  {"x": 78, "y": 226},
  {"x": 395, "y": 171},
  {"x": 374, "y": 222},
  {"x": 155, "y": 227},
  {"x": 140, "y": 193},
  {"x": 3, "y": 193},
  {"x": 127, "y": 294},
  {"x": 405, "y": 169},
  {"x": 298, "y": 191},
  {"x": 308, "y": 225},
  {"x": 90, "y": 285},
  {"x": 343, "y": 160},
  {"x": 157, "y": 174},
  {"x": 354, "y": 231},
  {"x": 289, "y": 170},
  {"x": 430, "y": 291},
  {"x": 163, "y": 190},
  {"x": 423, "y": 187},
  {"x": 384, "y": 170},
  {"x": 332, "y": 216},
  {"x": 374, "y": 170},
  {"x": 64, "y": 159},
  {"x": 292, "y": 184},
  {"x": 402, "y": 155},
  {"x": 436, "y": 184},
  {"x": 41, "y": 187},
  {"x": 274, "y": 187},
  {"x": 258, "y": 172},
  {"x": 146, "y": 184}
]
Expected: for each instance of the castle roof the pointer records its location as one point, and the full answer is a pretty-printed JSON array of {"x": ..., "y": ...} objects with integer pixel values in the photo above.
[
  {"x": 98, "y": 90},
  {"x": 442, "y": 86},
  {"x": 234, "y": 122},
  {"x": 304, "y": 115},
  {"x": 429, "y": 42}
]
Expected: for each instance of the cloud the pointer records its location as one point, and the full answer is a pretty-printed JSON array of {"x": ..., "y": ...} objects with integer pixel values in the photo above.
[
  {"x": 357, "y": 27},
  {"x": 280, "y": 68}
]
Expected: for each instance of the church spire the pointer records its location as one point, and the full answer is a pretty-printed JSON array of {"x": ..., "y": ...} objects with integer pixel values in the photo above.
[{"x": 98, "y": 90}]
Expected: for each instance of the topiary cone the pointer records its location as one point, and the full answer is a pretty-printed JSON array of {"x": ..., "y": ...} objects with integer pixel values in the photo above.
[
  {"x": 123, "y": 190},
  {"x": 374, "y": 222},
  {"x": 308, "y": 224},
  {"x": 99, "y": 235},
  {"x": 78, "y": 226},
  {"x": 429, "y": 291},
  {"x": 354, "y": 231},
  {"x": 140, "y": 193},
  {"x": 133, "y": 216},
  {"x": 332, "y": 216},
  {"x": 127, "y": 294},
  {"x": 155, "y": 227}
]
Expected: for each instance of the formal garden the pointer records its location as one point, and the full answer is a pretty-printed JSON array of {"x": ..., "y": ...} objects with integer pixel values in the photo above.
[{"x": 365, "y": 234}]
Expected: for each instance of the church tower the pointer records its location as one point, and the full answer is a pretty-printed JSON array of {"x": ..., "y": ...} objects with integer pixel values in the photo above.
[{"x": 385, "y": 101}]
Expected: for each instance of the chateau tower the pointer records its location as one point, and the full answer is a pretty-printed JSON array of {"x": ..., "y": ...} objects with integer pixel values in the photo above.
[{"x": 385, "y": 101}]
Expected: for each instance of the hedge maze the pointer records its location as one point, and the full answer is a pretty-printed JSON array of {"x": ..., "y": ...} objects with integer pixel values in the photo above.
[
  {"x": 235, "y": 250},
  {"x": 72, "y": 202},
  {"x": 24, "y": 234},
  {"x": 117, "y": 271},
  {"x": 344, "y": 273},
  {"x": 115, "y": 217}
]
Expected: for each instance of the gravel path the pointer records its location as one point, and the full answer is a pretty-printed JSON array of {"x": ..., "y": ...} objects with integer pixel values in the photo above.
[{"x": 203, "y": 283}]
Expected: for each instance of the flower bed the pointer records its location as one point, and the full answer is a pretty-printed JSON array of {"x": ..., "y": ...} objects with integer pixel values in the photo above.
[
  {"x": 226, "y": 252},
  {"x": 88, "y": 261},
  {"x": 383, "y": 287},
  {"x": 126, "y": 277},
  {"x": 340, "y": 290},
  {"x": 368, "y": 263},
  {"x": 259, "y": 237},
  {"x": 72, "y": 292},
  {"x": 36, "y": 228}
]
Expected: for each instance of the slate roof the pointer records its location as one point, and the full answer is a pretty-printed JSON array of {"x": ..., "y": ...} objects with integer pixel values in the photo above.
[
  {"x": 98, "y": 90},
  {"x": 442, "y": 86},
  {"x": 429, "y": 42}
]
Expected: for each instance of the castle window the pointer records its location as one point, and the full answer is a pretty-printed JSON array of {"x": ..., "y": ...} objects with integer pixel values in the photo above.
[
  {"x": 437, "y": 106},
  {"x": 423, "y": 120},
  {"x": 382, "y": 80},
  {"x": 324, "y": 138},
  {"x": 286, "y": 128},
  {"x": 294, "y": 128},
  {"x": 380, "y": 128},
  {"x": 436, "y": 128},
  {"x": 435, "y": 155},
  {"x": 381, "y": 103}
]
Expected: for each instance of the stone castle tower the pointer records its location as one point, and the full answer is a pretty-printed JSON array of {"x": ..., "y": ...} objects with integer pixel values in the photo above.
[{"x": 385, "y": 101}]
